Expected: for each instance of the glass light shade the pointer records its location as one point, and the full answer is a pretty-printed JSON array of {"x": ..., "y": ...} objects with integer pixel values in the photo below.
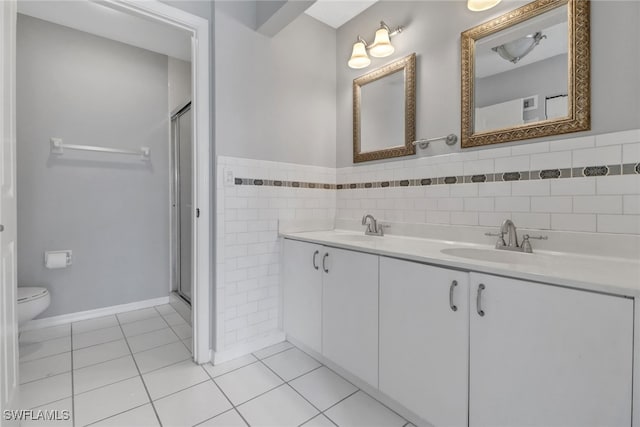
[
  {"x": 480, "y": 5},
  {"x": 381, "y": 45},
  {"x": 517, "y": 49},
  {"x": 359, "y": 57}
]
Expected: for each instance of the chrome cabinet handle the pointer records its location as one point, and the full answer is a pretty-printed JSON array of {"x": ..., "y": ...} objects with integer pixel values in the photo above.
[
  {"x": 451, "y": 304},
  {"x": 324, "y": 259},
  {"x": 315, "y": 254},
  {"x": 478, "y": 300}
]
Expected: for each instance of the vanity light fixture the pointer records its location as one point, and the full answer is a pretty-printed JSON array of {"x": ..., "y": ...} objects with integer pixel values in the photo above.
[
  {"x": 380, "y": 47},
  {"x": 480, "y": 5},
  {"x": 517, "y": 49}
]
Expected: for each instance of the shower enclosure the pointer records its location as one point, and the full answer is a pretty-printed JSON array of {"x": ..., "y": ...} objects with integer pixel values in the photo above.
[{"x": 181, "y": 203}]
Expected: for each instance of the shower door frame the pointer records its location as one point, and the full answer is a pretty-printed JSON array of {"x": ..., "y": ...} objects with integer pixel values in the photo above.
[
  {"x": 176, "y": 196},
  {"x": 202, "y": 254}
]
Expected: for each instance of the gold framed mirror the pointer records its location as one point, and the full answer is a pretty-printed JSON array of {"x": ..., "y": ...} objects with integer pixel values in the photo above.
[
  {"x": 526, "y": 74},
  {"x": 384, "y": 111}
]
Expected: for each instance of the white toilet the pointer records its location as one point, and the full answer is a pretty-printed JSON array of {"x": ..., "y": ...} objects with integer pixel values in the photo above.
[{"x": 31, "y": 302}]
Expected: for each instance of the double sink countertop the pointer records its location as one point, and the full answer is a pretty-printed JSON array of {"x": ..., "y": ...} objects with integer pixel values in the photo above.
[{"x": 619, "y": 276}]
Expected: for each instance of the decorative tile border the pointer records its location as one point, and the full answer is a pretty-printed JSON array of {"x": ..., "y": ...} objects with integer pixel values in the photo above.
[
  {"x": 278, "y": 183},
  {"x": 588, "y": 171}
]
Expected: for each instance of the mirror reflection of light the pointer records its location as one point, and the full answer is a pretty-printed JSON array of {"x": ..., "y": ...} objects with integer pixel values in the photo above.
[{"x": 515, "y": 50}]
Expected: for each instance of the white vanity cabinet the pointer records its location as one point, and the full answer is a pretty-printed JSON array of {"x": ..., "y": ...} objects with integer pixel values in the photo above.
[
  {"x": 459, "y": 348},
  {"x": 331, "y": 305},
  {"x": 424, "y": 339},
  {"x": 544, "y": 355},
  {"x": 302, "y": 301},
  {"x": 350, "y": 312}
]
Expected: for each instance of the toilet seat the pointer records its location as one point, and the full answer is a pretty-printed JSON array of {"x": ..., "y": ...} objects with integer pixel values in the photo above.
[{"x": 29, "y": 293}]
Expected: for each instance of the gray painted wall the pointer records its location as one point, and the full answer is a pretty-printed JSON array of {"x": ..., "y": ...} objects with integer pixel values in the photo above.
[
  {"x": 547, "y": 77},
  {"x": 275, "y": 97},
  {"x": 111, "y": 211},
  {"x": 433, "y": 31},
  {"x": 179, "y": 83}
]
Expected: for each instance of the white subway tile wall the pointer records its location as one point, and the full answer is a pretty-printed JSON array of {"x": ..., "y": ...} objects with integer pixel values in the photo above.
[
  {"x": 607, "y": 204},
  {"x": 247, "y": 246},
  {"x": 248, "y": 250}
]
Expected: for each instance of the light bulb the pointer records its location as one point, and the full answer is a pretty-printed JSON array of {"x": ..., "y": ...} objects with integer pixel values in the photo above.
[
  {"x": 480, "y": 5},
  {"x": 359, "y": 57},
  {"x": 381, "y": 45}
]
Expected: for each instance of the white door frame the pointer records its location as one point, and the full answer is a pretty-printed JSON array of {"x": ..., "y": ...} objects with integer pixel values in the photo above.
[
  {"x": 9, "y": 393},
  {"x": 202, "y": 257}
]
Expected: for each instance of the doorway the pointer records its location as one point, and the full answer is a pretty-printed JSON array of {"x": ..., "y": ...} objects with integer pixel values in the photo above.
[
  {"x": 182, "y": 200},
  {"x": 198, "y": 29}
]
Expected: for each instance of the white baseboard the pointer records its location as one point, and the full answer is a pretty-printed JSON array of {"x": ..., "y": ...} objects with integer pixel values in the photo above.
[
  {"x": 244, "y": 349},
  {"x": 91, "y": 314}
]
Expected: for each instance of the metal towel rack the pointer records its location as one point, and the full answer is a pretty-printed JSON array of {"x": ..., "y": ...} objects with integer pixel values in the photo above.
[
  {"x": 450, "y": 139},
  {"x": 57, "y": 147}
]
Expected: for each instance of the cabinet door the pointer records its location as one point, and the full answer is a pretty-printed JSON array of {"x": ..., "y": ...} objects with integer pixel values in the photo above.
[
  {"x": 350, "y": 312},
  {"x": 424, "y": 339},
  {"x": 302, "y": 282},
  {"x": 548, "y": 356}
]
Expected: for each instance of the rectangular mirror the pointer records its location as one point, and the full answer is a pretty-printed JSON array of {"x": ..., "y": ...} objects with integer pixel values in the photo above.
[
  {"x": 384, "y": 112},
  {"x": 526, "y": 73}
]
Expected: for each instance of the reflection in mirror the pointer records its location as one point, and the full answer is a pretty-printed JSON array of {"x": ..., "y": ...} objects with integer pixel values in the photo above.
[
  {"x": 384, "y": 111},
  {"x": 381, "y": 113},
  {"x": 521, "y": 73},
  {"x": 526, "y": 74}
]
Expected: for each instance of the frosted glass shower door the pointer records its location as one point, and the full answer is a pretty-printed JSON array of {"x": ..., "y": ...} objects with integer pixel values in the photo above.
[{"x": 183, "y": 205}]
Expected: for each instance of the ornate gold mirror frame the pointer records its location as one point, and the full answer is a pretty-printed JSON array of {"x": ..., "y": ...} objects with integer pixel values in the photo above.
[
  {"x": 407, "y": 65},
  {"x": 579, "y": 69}
]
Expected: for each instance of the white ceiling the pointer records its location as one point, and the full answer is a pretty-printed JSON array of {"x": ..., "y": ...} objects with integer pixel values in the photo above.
[
  {"x": 335, "y": 13},
  {"x": 103, "y": 21}
]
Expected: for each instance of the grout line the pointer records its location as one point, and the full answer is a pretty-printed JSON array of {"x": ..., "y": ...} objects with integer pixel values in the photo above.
[
  {"x": 106, "y": 385},
  {"x": 292, "y": 388},
  {"x": 302, "y": 375},
  {"x": 45, "y": 377},
  {"x": 233, "y": 370},
  {"x": 135, "y": 362},
  {"x": 181, "y": 390},
  {"x": 228, "y": 399},
  {"x": 222, "y": 413},
  {"x": 115, "y": 415},
  {"x": 340, "y": 401},
  {"x": 278, "y": 352},
  {"x": 44, "y": 357},
  {"x": 174, "y": 332},
  {"x": 93, "y": 345},
  {"x": 156, "y": 346}
]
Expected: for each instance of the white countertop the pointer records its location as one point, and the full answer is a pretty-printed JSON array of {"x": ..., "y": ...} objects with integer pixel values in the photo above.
[{"x": 620, "y": 276}]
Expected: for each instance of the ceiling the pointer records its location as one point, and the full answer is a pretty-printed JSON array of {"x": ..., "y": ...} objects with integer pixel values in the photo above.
[
  {"x": 103, "y": 21},
  {"x": 335, "y": 13}
]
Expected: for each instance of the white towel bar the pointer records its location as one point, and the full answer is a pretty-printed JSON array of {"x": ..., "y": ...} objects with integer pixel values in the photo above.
[{"x": 57, "y": 147}]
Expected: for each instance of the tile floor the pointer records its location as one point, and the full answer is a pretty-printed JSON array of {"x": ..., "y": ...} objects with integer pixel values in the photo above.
[{"x": 134, "y": 369}]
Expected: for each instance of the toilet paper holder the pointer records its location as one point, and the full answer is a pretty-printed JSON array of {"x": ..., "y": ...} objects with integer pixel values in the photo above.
[{"x": 52, "y": 259}]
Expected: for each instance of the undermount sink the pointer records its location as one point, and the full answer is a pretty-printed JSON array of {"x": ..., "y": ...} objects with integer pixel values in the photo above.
[{"x": 492, "y": 255}]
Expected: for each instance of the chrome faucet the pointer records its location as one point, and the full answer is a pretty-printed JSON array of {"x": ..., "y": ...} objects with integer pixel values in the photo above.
[
  {"x": 373, "y": 229},
  {"x": 509, "y": 228}
]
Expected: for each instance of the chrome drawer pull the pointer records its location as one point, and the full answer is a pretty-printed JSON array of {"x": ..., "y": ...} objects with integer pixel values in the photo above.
[
  {"x": 478, "y": 303},
  {"x": 451, "y": 304},
  {"x": 315, "y": 254}
]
